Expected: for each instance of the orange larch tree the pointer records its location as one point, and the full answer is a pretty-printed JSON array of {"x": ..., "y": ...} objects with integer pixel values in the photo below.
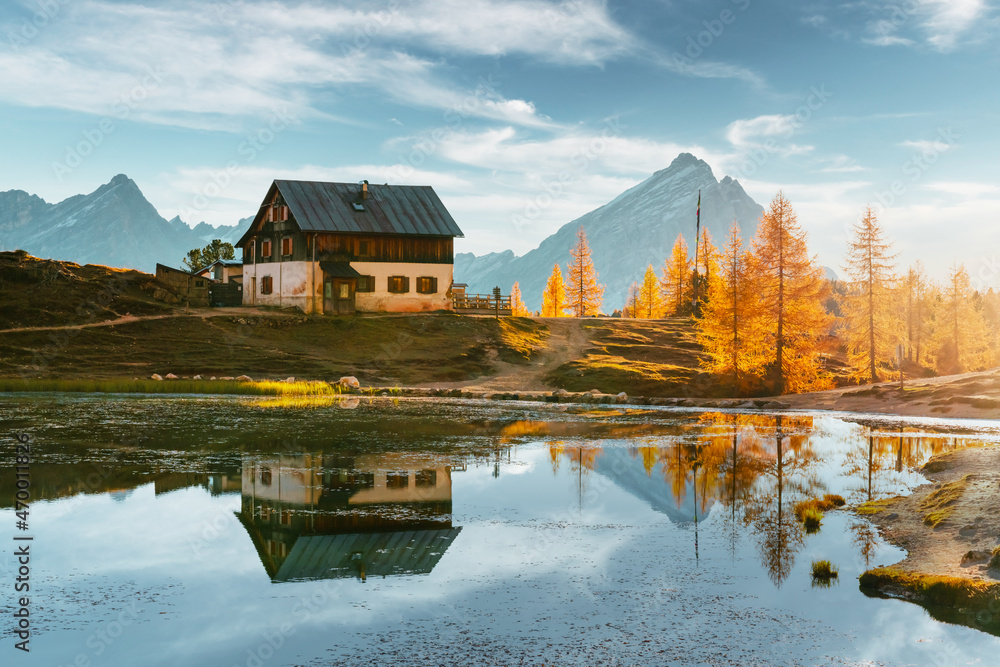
[
  {"x": 583, "y": 295},
  {"x": 517, "y": 307},
  {"x": 650, "y": 305},
  {"x": 675, "y": 281},
  {"x": 791, "y": 289},
  {"x": 554, "y": 296}
]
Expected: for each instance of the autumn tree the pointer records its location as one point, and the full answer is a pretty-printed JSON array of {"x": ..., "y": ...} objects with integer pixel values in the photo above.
[
  {"x": 554, "y": 296},
  {"x": 674, "y": 283},
  {"x": 791, "y": 288},
  {"x": 650, "y": 305},
  {"x": 916, "y": 310},
  {"x": 517, "y": 307},
  {"x": 583, "y": 294},
  {"x": 631, "y": 308},
  {"x": 871, "y": 321},
  {"x": 706, "y": 271},
  {"x": 730, "y": 328},
  {"x": 960, "y": 336}
]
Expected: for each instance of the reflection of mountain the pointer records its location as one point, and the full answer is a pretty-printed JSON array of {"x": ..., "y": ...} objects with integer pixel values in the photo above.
[
  {"x": 618, "y": 465},
  {"x": 336, "y": 516}
]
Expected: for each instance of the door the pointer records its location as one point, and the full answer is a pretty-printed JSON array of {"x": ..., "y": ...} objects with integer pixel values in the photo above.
[{"x": 338, "y": 295}]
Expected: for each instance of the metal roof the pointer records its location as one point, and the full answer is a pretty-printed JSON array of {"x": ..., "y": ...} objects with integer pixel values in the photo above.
[
  {"x": 379, "y": 554},
  {"x": 388, "y": 209}
]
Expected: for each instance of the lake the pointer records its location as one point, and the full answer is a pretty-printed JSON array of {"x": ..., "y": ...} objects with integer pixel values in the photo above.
[{"x": 193, "y": 530}]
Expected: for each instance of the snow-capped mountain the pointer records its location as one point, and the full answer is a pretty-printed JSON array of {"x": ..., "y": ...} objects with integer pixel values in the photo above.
[
  {"x": 114, "y": 225},
  {"x": 636, "y": 229}
]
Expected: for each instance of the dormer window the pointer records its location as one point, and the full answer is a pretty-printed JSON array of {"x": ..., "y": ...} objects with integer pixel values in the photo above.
[{"x": 358, "y": 206}]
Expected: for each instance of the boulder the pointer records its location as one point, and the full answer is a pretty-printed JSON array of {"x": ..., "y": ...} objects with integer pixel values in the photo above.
[
  {"x": 622, "y": 397},
  {"x": 244, "y": 378},
  {"x": 349, "y": 382},
  {"x": 594, "y": 392},
  {"x": 212, "y": 378},
  {"x": 156, "y": 376},
  {"x": 290, "y": 380},
  {"x": 227, "y": 377},
  {"x": 561, "y": 393},
  {"x": 196, "y": 377},
  {"x": 170, "y": 376}
]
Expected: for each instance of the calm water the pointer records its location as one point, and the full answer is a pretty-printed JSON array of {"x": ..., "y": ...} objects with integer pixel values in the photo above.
[{"x": 226, "y": 531}]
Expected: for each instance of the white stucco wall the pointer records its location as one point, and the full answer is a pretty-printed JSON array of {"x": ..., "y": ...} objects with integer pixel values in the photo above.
[
  {"x": 381, "y": 300},
  {"x": 291, "y": 286}
]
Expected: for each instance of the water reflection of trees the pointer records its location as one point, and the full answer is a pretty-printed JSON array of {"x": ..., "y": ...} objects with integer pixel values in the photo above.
[{"x": 755, "y": 466}]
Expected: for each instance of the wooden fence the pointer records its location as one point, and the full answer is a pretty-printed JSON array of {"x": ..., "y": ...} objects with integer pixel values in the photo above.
[{"x": 481, "y": 304}]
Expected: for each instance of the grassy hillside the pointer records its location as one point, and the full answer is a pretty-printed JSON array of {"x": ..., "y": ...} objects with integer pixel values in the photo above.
[
  {"x": 41, "y": 292},
  {"x": 645, "y": 357},
  {"x": 58, "y": 316}
]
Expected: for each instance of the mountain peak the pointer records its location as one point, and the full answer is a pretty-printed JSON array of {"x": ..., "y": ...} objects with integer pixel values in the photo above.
[{"x": 120, "y": 179}]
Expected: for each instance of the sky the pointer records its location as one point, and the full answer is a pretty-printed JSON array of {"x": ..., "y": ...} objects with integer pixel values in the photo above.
[{"x": 522, "y": 114}]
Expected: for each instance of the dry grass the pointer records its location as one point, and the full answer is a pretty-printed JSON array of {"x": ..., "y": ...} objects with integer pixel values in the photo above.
[
  {"x": 819, "y": 505},
  {"x": 933, "y": 589},
  {"x": 823, "y": 572},
  {"x": 938, "y": 505},
  {"x": 645, "y": 357},
  {"x": 876, "y": 506},
  {"x": 812, "y": 519},
  {"x": 263, "y": 388}
]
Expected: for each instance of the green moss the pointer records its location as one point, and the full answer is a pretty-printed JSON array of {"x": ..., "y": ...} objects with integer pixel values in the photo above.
[
  {"x": 994, "y": 563},
  {"x": 876, "y": 506},
  {"x": 933, "y": 589},
  {"x": 938, "y": 505}
]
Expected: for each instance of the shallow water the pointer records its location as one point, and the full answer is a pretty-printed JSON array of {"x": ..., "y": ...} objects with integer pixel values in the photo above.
[{"x": 228, "y": 531}]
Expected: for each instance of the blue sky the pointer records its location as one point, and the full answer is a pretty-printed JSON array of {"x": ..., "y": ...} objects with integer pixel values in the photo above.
[{"x": 522, "y": 114}]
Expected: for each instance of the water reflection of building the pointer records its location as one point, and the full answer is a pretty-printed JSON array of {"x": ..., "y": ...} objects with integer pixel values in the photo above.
[{"x": 316, "y": 516}]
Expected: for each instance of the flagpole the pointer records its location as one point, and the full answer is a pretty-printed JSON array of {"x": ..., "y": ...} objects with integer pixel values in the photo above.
[{"x": 697, "y": 244}]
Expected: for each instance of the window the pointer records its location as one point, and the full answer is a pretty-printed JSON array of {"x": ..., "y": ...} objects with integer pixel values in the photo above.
[
  {"x": 397, "y": 480},
  {"x": 343, "y": 291},
  {"x": 366, "y": 283},
  {"x": 266, "y": 285},
  {"x": 427, "y": 285},
  {"x": 286, "y": 246},
  {"x": 426, "y": 478},
  {"x": 199, "y": 283},
  {"x": 399, "y": 284},
  {"x": 265, "y": 248},
  {"x": 363, "y": 249},
  {"x": 277, "y": 213}
]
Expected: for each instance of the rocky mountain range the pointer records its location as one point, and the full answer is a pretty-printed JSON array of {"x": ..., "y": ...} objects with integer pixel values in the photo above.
[
  {"x": 114, "y": 225},
  {"x": 635, "y": 229}
]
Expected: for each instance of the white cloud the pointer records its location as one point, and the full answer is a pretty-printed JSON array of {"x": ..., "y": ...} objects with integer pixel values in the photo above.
[
  {"x": 768, "y": 133},
  {"x": 963, "y": 189},
  {"x": 926, "y": 146},
  {"x": 949, "y": 20},
  {"x": 220, "y": 63}
]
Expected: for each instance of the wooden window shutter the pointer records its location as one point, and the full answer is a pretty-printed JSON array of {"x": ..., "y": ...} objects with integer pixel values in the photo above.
[
  {"x": 434, "y": 285},
  {"x": 406, "y": 285}
]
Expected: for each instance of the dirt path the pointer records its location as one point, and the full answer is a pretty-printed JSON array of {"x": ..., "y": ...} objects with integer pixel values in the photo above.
[
  {"x": 567, "y": 341},
  {"x": 202, "y": 313},
  {"x": 972, "y": 516},
  {"x": 969, "y": 395}
]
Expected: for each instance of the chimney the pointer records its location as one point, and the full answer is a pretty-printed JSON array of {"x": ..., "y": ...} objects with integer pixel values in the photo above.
[{"x": 364, "y": 190}]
